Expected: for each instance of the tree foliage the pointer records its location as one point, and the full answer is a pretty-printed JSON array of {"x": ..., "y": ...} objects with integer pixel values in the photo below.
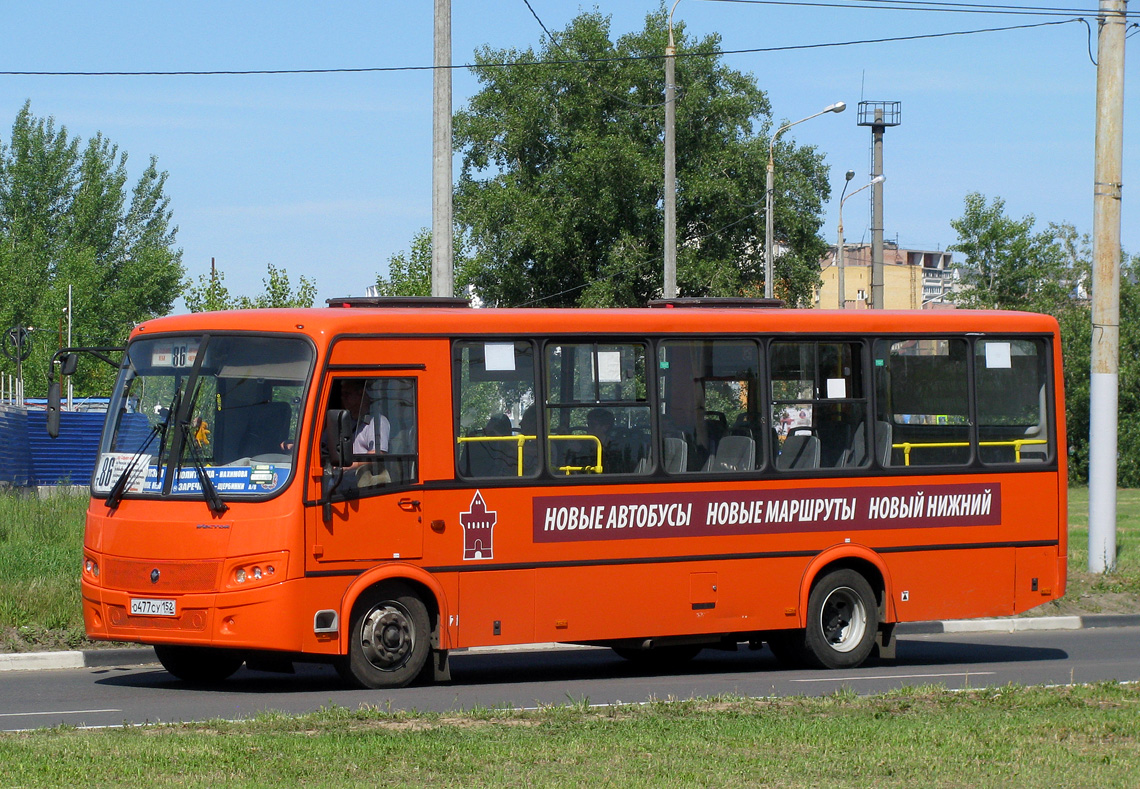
[
  {"x": 1010, "y": 266},
  {"x": 68, "y": 217},
  {"x": 210, "y": 294},
  {"x": 409, "y": 274},
  {"x": 561, "y": 190}
]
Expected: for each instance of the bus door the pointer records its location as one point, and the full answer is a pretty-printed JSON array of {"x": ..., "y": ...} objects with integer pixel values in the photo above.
[{"x": 373, "y": 509}]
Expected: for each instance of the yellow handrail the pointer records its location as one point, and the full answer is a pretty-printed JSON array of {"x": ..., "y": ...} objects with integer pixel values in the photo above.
[
  {"x": 597, "y": 469},
  {"x": 1016, "y": 443},
  {"x": 521, "y": 439}
]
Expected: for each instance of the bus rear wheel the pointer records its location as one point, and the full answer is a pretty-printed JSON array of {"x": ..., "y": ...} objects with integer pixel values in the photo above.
[
  {"x": 843, "y": 617},
  {"x": 389, "y": 642},
  {"x": 198, "y": 664}
]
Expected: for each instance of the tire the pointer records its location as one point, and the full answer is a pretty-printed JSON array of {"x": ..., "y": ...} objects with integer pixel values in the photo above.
[
  {"x": 390, "y": 638},
  {"x": 198, "y": 664},
  {"x": 843, "y": 616},
  {"x": 658, "y": 657}
]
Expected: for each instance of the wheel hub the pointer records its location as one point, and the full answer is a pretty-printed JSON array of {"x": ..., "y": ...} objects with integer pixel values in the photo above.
[
  {"x": 387, "y": 635},
  {"x": 843, "y": 619}
]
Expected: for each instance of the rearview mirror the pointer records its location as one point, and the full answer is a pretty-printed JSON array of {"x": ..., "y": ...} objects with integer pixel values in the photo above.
[
  {"x": 338, "y": 438},
  {"x": 53, "y": 409},
  {"x": 68, "y": 363}
]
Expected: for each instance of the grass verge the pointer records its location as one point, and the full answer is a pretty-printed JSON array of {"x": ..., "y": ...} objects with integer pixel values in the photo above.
[
  {"x": 41, "y": 550},
  {"x": 1011, "y": 736}
]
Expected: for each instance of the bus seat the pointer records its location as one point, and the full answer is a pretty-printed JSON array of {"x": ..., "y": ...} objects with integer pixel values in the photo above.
[
  {"x": 883, "y": 441},
  {"x": 856, "y": 454},
  {"x": 733, "y": 453},
  {"x": 676, "y": 454},
  {"x": 834, "y": 442},
  {"x": 800, "y": 451}
]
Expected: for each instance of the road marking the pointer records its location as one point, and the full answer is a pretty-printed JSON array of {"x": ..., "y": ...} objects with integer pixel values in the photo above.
[
  {"x": 901, "y": 676},
  {"x": 51, "y": 712}
]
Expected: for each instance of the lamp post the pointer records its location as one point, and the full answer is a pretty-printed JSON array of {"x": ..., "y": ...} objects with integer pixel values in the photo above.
[
  {"x": 670, "y": 289},
  {"x": 838, "y": 106},
  {"x": 878, "y": 179}
]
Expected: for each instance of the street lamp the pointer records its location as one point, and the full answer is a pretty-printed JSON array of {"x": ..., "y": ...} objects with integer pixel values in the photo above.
[
  {"x": 838, "y": 106},
  {"x": 878, "y": 179}
]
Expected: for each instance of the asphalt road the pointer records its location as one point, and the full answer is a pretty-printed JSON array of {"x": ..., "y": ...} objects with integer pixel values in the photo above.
[{"x": 142, "y": 694}]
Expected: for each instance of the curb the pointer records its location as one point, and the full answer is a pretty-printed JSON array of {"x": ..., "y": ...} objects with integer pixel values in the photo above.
[
  {"x": 1018, "y": 624},
  {"x": 144, "y": 656},
  {"x": 89, "y": 658}
]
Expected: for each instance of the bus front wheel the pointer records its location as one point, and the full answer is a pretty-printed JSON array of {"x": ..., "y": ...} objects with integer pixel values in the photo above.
[
  {"x": 842, "y": 619},
  {"x": 390, "y": 637},
  {"x": 198, "y": 664}
]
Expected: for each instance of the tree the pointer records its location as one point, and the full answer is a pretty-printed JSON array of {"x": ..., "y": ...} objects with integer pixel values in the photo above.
[
  {"x": 211, "y": 294},
  {"x": 560, "y": 194},
  {"x": 410, "y": 274},
  {"x": 1009, "y": 266},
  {"x": 67, "y": 217}
]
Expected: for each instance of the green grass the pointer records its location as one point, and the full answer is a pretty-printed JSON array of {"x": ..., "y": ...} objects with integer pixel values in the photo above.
[
  {"x": 41, "y": 547},
  {"x": 41, "y": 550},
  {"x": 1114, "y": 592},
  {"x": 1011, "y": 736}
]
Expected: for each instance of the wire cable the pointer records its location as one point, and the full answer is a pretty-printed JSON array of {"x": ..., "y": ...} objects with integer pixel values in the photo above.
[
  {"x": 927, "y": 5},
  {"x": 534, "y": 63},
  {"x": 565, "y": 54}
]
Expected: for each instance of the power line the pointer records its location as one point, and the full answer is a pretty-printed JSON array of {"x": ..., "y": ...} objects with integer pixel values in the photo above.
[
  {"x": 927, "y": 5},
  {"x": 565, "y": 54},
  {"x": 533, "y": 63}
]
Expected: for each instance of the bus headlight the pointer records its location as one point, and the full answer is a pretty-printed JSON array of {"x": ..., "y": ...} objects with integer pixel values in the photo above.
[
  {"x": 91, "y": 569},
  {"x": 251, "y": 571}
]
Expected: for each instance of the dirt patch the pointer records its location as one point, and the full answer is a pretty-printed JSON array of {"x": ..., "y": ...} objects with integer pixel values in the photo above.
[
  {"x": 1090, "y": 603},
  {"x": 31, "y": 639}
]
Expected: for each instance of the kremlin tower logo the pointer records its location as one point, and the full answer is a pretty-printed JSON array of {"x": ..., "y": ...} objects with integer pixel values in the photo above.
[{"x": 478, "y": 529}]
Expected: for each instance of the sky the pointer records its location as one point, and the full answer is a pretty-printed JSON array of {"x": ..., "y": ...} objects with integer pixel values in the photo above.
[{"x": 329, "y": 175}]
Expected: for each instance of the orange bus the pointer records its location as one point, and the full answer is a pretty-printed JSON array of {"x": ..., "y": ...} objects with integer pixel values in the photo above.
[{"x": 375, "y": 486}]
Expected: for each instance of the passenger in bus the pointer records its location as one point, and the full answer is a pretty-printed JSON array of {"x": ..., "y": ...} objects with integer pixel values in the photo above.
[
  {"x": 600, "y": 425},
  {"x": 528, "y": 426},
  {"x": 370, "y": 438},
  {"x": 370, "y": 435},
  {"x": 495, "y": 458}
]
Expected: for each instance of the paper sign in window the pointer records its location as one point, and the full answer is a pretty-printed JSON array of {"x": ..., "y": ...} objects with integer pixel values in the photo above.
[
  {"x": 609, "y": 367},
  {"x": 499, "y": 356},
  {"x": 836, "y": 388},
  {"x": 997, "y": 356}
]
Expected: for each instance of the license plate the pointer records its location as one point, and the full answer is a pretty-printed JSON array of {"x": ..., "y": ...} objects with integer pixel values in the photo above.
[{"x": 140, "y": 607}]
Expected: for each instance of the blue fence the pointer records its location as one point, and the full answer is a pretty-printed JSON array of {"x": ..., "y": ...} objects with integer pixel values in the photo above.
[{"x": 28, "y": 457}]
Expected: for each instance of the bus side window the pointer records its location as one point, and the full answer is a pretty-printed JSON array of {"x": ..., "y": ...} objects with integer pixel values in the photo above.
[
  {"x": 496, "y": 428},
  {"x": 597, "y": 409},
  {"x": 1010, "y": 379},
  {"x": 383, "y": 414},
  {"x": 710, "y": 406},
  {"x": 819, "y": 405},
  {"x": 924, "y": 401}
]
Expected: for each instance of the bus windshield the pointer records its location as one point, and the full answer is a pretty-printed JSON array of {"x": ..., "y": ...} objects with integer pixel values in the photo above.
[{"x": 198, "y": 412}]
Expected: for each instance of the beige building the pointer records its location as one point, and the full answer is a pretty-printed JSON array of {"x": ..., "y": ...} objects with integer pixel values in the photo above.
[{"x": 913, "y": 279}]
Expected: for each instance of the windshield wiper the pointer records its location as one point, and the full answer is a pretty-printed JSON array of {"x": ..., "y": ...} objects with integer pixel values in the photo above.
[
  {"x": 213, "y": 500},
  {"x": 120, "y": 487}
]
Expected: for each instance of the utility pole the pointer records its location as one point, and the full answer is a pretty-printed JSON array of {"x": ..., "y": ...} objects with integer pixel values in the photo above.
[
  {"x": 878, "y": 115},
  {"x": 877, "y": 215},
  {"x": 442, "y": 235},
  {"x": 1104, "y": 383},
  {"x": 670, "y": 289}
]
